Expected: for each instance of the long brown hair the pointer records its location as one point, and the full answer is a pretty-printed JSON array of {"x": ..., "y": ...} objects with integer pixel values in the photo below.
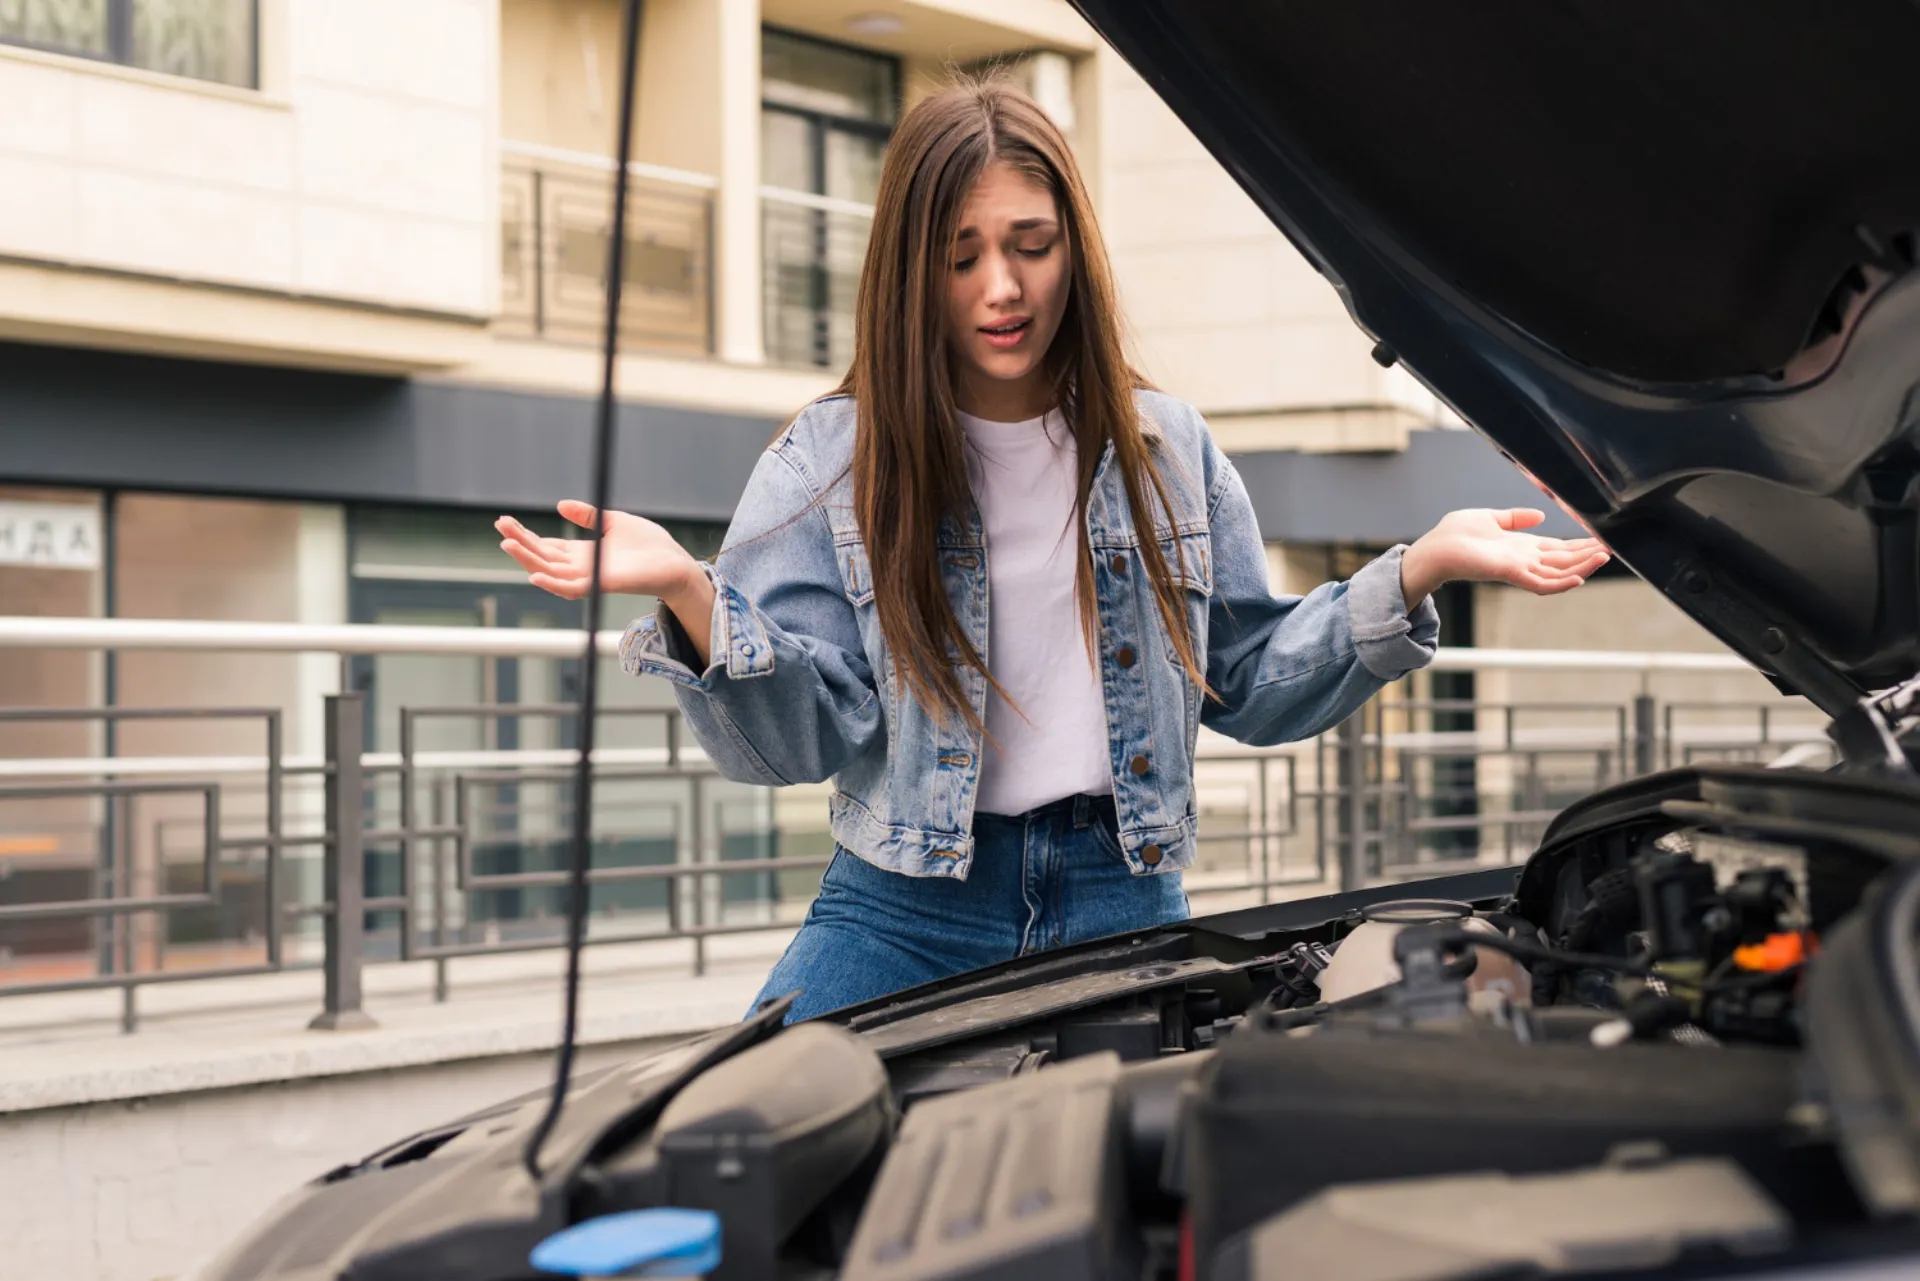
[{"x": 909, "y": 467}]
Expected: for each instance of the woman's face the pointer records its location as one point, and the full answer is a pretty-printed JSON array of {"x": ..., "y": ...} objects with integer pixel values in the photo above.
[{"x": 1006, "y": 292}]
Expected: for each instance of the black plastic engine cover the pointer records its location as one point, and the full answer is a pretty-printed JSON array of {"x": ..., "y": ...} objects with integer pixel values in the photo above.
[
  {"x": 1274, "y": 1119},
  {"x": 765, "y": 1137},
  {"x": 1019, "y": 1181}
]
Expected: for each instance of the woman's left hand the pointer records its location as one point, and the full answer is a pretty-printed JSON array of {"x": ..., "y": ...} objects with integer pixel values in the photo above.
[{"x": 1486, "y": 545}]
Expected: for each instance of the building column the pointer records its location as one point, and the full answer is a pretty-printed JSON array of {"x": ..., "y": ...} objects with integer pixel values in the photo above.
[{"x": 739, "y": 292}]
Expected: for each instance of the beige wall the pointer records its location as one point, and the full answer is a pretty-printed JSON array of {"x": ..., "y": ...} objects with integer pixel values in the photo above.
[
  {"x": 366, "y": 176},
  {"x": 560, "y": 79},
  {"x": 681, "y": 122},
  {"x": 365, "y": 172},
  {"x": 559, "y": 72}
]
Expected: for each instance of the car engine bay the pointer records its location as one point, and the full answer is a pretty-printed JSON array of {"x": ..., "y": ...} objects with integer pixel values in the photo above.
[{"x": 1681, "y": 1042}]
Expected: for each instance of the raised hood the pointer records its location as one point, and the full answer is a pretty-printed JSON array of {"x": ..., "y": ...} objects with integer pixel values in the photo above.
[{"x": 1662, "y": 254}]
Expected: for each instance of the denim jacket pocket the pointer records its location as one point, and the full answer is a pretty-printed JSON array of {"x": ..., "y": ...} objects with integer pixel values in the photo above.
[{"x": 1189, "y": 557}]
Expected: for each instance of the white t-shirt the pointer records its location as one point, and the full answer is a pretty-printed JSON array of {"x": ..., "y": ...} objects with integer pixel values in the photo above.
[{"x": 1053, "y": 737}]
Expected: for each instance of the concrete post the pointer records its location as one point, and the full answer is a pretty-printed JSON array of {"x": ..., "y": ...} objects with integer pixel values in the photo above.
[
  {"x": 1353, "y": 801},
  {"x": 1644, "y": 735},
  {"x": 344, "y": 865}
]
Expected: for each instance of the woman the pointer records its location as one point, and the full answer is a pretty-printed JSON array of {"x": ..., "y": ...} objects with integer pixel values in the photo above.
[{"x": 993, "y": 585}]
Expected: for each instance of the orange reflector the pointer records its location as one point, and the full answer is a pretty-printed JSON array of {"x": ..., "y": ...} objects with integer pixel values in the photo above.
[{"x": 1779, "y": 952}]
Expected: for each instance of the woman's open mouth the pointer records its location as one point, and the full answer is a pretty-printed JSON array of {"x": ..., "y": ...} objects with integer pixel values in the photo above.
[{"x": 1008, "y": 333}]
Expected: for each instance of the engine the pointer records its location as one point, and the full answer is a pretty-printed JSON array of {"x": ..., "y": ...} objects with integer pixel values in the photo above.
[{"x": 1658, "y": 1049}]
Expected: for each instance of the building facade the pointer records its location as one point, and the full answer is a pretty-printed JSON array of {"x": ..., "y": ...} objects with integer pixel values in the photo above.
[{"x": 296, "y": 295}]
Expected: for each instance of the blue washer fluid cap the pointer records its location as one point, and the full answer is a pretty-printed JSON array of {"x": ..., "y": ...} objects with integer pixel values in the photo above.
[{"x": 661, "y": 1242}]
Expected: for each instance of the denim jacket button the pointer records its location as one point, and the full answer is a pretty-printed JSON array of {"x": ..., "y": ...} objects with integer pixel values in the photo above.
[
  {"x": 1118, "y": 564},
  {"x": 1151, "y": 856},
  {"x": 1139, "y": 766},
  {"x": 1125, "y": 656}
]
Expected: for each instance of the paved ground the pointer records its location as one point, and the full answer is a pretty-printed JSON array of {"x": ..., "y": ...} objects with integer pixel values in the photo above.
[
  {"x": 68, "y": 1049},
  {"x": 127, "y": 1157},
  {"x": 58, "y": 1051}
]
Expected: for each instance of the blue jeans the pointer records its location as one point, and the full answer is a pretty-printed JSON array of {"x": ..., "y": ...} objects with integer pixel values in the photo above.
[{"x": 1041, "y": 880}]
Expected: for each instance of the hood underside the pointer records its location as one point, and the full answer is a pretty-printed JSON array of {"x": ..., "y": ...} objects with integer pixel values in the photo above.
[{"x": 1662, "y": 255}]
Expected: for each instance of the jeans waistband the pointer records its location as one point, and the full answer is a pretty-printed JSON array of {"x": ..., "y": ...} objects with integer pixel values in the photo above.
[{"x": 1082, "y": 809}]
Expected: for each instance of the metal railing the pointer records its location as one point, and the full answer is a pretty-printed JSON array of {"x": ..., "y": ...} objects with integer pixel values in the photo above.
[
  {"x": 432, "y": 855},
  {"x": 554, "y": 217},
  {"x": 812, "y": 248}
]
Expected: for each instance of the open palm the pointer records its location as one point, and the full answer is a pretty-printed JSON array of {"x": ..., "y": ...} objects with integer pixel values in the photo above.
[
  {"x": 640, "y": 558},
  {"x": 1490, "y": 545}
]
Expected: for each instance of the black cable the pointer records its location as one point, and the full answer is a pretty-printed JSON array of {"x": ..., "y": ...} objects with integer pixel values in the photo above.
[
  {"x": 581, "y": 852},
  {"x": 1522, "y": 950}
]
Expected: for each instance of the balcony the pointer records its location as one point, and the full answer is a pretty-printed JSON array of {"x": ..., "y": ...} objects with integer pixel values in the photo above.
[{"x": 554, "y": 208}]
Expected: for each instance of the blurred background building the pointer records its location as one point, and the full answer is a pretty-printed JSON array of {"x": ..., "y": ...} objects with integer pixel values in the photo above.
[{"x": 296, "y": 295}]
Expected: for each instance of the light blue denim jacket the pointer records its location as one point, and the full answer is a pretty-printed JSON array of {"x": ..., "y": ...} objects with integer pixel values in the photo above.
[{"x": 801, "y": 687}]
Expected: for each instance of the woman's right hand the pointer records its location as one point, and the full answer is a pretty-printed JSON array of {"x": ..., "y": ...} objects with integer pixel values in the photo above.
[{"x": 640, "y": 559}]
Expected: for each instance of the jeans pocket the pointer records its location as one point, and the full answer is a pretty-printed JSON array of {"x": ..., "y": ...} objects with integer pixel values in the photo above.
[{"x": 1106, "y": 834}]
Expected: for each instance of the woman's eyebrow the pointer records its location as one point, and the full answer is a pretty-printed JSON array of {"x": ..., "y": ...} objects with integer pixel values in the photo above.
[{"x": 1022, "y": 224}]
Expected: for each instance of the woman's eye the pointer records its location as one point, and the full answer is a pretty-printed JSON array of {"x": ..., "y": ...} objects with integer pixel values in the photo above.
[
  {"x": 961, "y": 264},
  {"x": 1039, "y": 251}
]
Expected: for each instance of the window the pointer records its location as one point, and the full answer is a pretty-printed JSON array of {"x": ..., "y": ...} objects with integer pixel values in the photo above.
[
  {"x": 826, "y": 113},
  {"x": 213, "y": 40}
]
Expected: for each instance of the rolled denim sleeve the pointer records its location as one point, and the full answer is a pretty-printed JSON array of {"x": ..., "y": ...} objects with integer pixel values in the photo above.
[
  {"x": 1284, "y": 668},
  {"x": 788, "y": 696}
]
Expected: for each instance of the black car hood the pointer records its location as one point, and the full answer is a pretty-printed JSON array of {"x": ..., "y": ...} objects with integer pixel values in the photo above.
[{"x": 1663, "y": 255}]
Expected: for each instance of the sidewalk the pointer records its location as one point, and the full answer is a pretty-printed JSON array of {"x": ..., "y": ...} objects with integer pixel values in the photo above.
[{"x": 67, "y": 1049}]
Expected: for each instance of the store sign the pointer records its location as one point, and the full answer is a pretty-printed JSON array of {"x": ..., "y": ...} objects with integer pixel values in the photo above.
[{"x": 50, "y": 535}]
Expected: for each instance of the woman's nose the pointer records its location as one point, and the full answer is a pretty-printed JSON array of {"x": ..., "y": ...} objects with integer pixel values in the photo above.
[{"x": 1003, "y": 282}]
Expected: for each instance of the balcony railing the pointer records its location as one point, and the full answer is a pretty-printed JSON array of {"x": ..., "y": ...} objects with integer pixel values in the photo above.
[
  {"x": 555, "y": 208},
  {"x": 118, "y": 872},
  {"x": 812, "y": 249}
]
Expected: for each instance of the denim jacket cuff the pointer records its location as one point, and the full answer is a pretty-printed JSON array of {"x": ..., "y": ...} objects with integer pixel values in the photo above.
[
  {"x": 657, "y": 645},
  {"x": 1390, "y": 640}
]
